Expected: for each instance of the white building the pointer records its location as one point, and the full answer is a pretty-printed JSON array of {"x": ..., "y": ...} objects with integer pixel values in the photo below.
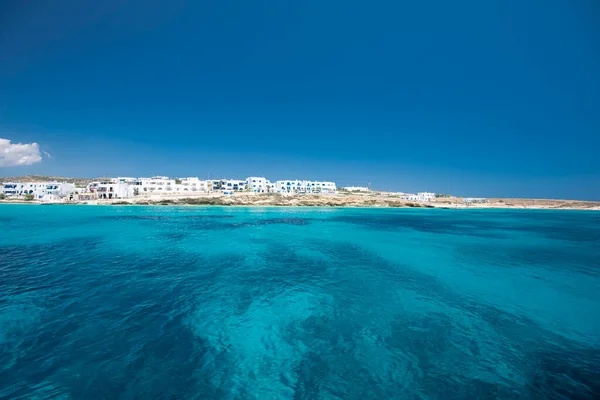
[
  {"x": 259, "y": 184},
  {"x": 128, "y": 187},
  {"x": 421, "y": 196},
  {"x": 192, "y": 184},
  {"x": 320, "y": 187},
  {"x": 125, "y": 179},
  {"x": 9, "y": 189},
  {"x": 226, "y": 185},
  {"x": 425, "y": 196},
  {"x": 114, "y": 190},
  {"x": 39, "y": 190},
  {"x": 235, "y": 185},
  {"x": 356, "y": 189},
  {"x": 289, "y": 187},
  {"x": 297, "y": 186},
  {"x": 409, "y": 196},
  {"x": 157, "y": 185}
]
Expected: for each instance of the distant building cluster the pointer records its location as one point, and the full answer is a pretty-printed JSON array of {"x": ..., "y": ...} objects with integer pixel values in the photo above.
[
  {"x": 129, "y": 187},
  {"x": 125, "y": 187},
  {"x": 421, "y": 196},
  {"x": 52, "y": 191}
]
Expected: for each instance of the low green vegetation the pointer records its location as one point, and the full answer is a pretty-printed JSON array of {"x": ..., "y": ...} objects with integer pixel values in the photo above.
[
  {"x": 28, "y": 197},
  {"x": 2, "y": 196}
]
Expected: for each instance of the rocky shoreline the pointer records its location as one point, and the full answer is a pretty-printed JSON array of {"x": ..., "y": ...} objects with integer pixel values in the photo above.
[{"x": 339, "y": 200}]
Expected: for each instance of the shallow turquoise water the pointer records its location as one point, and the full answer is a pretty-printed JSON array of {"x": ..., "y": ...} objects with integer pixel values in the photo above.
[{"x": 277, "y": 303}]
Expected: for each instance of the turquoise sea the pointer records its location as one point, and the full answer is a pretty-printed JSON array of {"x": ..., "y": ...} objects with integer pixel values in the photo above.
[{"x": 298, "y": 303}]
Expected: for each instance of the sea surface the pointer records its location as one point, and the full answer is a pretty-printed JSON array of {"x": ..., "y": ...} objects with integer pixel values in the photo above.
[{"x": 298, "y": 303}]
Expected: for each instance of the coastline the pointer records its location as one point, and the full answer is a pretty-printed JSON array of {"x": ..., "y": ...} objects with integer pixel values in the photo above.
[{"x": 333, "y": 201}]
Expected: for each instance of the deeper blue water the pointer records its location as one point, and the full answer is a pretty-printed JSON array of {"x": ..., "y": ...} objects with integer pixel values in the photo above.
[{"x": 283, "y": 303}]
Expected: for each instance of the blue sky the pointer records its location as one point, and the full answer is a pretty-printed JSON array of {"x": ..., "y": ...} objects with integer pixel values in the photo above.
[{"x": 475, "y": 98}]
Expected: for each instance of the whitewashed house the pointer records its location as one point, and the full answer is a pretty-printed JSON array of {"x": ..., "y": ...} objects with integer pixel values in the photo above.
[
  {"x": 9, "y": 189},
  {"x": 258, "y": 184},
  {"x": 409, "y": 196},
  {"x": 115, "y": 190},
  {"x": 233, "y": 185},
  {"x": 39, "y": 190},
  {"x": 55, "y": 191},
  {"x": 320, "y": 187},
  {"x": 157, "y": 185},
  {"x": 125, "y": 179},
  {"x": 289, "y": 187},
  {"x": 297, "y": 186},
  {"x": 227, "y": 185},
  {"x": 425, "y": 196},
  {"x": 192, "y": 184},
  {"x": 356, "y": 188}
]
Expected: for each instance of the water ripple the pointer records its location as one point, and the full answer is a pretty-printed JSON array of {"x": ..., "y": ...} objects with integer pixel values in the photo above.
[{"x": 275, "y": 304}]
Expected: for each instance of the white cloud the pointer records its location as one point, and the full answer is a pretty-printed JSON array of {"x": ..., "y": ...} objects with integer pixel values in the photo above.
[
  {"x": 18, "y": 154},
  {"x": 47, "y": 154}
]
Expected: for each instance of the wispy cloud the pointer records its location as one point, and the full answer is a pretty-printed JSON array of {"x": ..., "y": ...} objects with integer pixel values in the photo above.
[
  {"x": 47, "y": 154},
  {"x": 18, "y": 154}
]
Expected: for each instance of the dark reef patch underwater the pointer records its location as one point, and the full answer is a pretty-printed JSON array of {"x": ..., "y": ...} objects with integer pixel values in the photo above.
[{"x": 293, "y": 303}]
